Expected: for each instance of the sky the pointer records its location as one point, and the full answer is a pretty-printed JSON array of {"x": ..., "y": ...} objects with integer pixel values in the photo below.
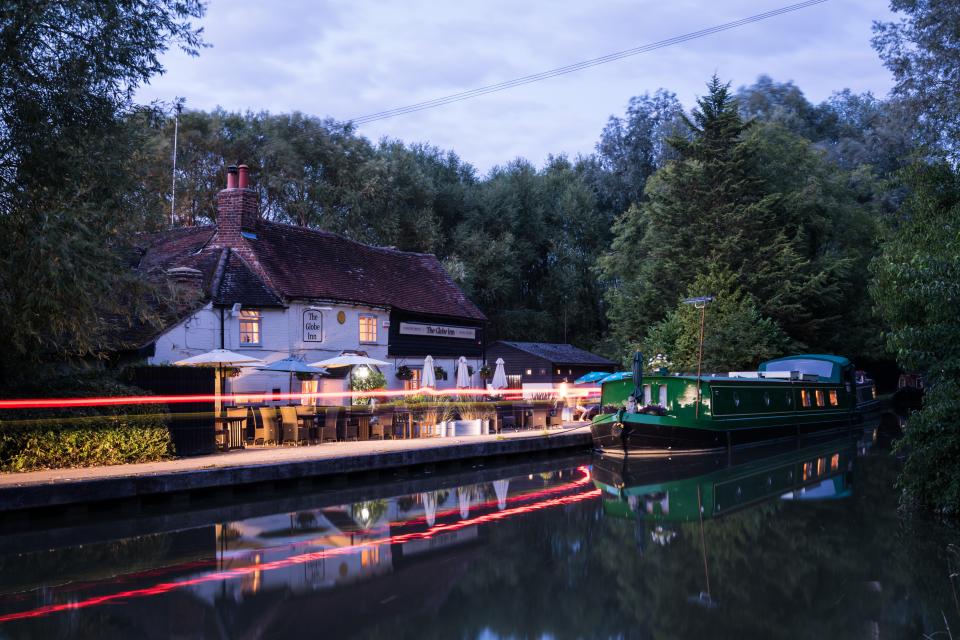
[{"x": 349, "y": 58}]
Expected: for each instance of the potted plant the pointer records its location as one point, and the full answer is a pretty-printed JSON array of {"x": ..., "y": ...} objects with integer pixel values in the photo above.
[
  {"x": 404, "y": 373},
  {"x": 370, "y": 382},
  {"x": 486, "y": 373},
  {"x": 303, "y": 376},
  {"x": 440, "y": 373}
]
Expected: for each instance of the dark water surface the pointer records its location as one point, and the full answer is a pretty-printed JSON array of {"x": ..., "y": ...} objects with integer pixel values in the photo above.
[{"x": 783, "y": 543}]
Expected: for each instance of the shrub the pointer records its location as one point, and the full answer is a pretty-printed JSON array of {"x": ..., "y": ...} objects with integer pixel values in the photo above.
[{"x": 84, "y": 436}]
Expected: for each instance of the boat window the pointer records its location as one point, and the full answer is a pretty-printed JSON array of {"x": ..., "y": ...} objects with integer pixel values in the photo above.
[
  {"x": 736, "y": 399},
  {"x": 805, "y": 398},
  {"x": 835, "y": 462},
  {"x": 646, "y": 394},
  {"x": 766, "y": 398},
  {"x": 789, "y": 398},
  {"x": 834, "y": 400},
  {"x": 821, "y": 402},
  {"x": 663, "y": 395}
]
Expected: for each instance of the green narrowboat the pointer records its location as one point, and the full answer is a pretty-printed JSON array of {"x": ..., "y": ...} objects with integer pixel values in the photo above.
[
  {"x": 667, "y": 414},
  {"x": 686, "y": 488}
]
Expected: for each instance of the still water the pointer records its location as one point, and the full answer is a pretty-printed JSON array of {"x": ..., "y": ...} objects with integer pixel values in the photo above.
[{"x": 783, "y": 543}]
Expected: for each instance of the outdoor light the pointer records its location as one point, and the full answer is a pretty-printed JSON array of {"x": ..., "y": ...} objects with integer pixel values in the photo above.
[{"x": 362, "y": 372}]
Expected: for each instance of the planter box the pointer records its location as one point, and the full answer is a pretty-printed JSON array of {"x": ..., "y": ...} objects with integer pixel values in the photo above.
[{"x": 452, "y": 428}]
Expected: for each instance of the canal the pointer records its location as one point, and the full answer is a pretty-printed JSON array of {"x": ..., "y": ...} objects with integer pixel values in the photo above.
[{"x": 789, "y": 542}]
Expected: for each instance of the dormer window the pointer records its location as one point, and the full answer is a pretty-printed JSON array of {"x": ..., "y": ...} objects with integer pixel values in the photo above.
[{"x": 251, "y": 324}]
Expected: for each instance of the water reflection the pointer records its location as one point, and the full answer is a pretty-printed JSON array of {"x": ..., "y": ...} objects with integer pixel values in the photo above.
[{"x": 770, "y": 543}]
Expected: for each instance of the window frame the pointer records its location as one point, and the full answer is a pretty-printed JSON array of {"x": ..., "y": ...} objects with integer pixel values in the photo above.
[
  {"x": 373, "y": 321},
  {"x": 248, "y": 317}
]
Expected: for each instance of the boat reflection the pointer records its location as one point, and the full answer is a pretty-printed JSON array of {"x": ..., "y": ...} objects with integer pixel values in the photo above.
[{"x": 688, "y": 488}]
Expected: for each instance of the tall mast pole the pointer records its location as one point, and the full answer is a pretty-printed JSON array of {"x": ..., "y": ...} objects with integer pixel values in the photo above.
[{"x": 178, "y": 107}]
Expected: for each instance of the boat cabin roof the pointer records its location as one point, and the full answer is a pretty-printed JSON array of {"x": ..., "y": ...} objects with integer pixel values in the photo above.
[{"x": 826, "y": 367}]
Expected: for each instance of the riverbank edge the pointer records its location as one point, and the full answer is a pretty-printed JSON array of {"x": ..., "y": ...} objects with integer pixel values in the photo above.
[{"x": 26, "y": 496}]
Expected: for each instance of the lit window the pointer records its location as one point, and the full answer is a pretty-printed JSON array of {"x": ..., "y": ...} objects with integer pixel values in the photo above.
[
  {"x": 647, "y": 398},
  {"x": 834, "y": 400},
  {"x": 835, "y": 462},
  {"x": 368, "y": 328},
  {"x": 805, "y": 398},
  {"x": 821, "y": 402},
  {"x": 414, "y": 381},
  {"x": 529, "y": 372},
  {"x": 558, "y": 371},
  {"x": 663, "y": 395},
  {"x": 250, "y": 327}
]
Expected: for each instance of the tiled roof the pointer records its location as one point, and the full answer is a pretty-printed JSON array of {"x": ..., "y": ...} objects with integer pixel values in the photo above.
[
  {"x": 306, "y": 263},
  {"x": 559, "y": 353},
  {"x": 238, "y": 283}
]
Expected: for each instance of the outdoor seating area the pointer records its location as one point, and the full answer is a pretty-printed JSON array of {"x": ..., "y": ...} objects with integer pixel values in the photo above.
[{"x": 302, "y": 425}]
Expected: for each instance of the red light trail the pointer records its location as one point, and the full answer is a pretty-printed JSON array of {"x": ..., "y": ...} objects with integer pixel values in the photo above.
[
  {"x": 239, "y": 572},
  {"x": 246, "y": 398}
]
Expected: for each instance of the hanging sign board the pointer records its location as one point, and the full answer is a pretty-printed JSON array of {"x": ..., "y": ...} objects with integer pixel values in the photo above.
[
  {"x": 312, "y": 326},
  {"x": 437, "y": 331}
]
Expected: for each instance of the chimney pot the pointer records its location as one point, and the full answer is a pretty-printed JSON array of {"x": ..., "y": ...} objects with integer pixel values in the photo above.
[
  {"x": 232, "y": 177},
  {"x": 243, "y": 176}
]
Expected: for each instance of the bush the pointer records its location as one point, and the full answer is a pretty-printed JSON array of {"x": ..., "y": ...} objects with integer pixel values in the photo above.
[{"x": 85, "y": 436}]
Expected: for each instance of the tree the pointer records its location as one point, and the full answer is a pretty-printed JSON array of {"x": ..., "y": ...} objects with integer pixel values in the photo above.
[
  {"x": 736, "y": 337},
  {"x": 922, "y": 50},
  {"x": 756, "y": 201},
  {"x": 69, "y": 135},
  {"x": 917, "y": 291}
]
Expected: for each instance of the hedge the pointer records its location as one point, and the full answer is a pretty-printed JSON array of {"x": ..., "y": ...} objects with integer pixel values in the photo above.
[{"x": 84, "y": 437}]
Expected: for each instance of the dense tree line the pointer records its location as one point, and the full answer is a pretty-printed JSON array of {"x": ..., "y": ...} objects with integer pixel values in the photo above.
[{"x": 596, "y": 250}]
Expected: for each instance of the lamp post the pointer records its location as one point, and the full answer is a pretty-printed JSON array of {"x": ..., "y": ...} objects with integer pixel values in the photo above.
[{"x": 700, "y": 303}]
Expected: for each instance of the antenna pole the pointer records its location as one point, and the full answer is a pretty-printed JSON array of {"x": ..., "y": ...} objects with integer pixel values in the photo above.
[{"x": 178, "y": 107}]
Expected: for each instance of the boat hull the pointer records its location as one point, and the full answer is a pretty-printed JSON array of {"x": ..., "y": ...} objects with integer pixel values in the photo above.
[{"x": 637, "y": 437}]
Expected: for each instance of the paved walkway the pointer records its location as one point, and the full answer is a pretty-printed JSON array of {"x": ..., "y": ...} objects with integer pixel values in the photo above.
[{"x": 63, "y": 486}]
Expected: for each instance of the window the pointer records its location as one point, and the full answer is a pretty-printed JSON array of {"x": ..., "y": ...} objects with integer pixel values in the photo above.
[
  {"x": 413, "y": 382},
  {"x": 251, "y": 324},
  {"x": 806, "y": 399},
  {"x": 821, "y": 402},
  {"x": 309, "y": 387},
  {"x": 663, "y": 395},
  {"x": 834, "y": 400},
  {"x": 835, "y": 462},
  {"x": 368, "y": 328},
  {"x": 647, "y": 398},
  {"x": 514, "y": 382}
]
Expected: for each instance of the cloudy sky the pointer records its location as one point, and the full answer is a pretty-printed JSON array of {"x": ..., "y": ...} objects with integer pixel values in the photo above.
[{"x": 349, "y": 58}]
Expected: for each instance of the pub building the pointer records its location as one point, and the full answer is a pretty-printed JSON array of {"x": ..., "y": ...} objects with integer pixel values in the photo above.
[{"x": 273, "y": 291}]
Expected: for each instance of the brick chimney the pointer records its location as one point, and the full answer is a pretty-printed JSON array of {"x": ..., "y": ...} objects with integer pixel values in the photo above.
[
  {"x": 238, "y": 212},
  {"x": 238, "y": 206}
]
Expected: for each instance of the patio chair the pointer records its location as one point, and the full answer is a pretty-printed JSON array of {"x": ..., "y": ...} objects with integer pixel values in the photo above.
[
  {"x": 266, "y": 432},
  {"x": 308, "y": 416},
  {"x": 328, "y": 428},
  {"x": 377, "y": 431},
  {"x": 350, "y": 428},
  {"x": 294, "y": 432}
]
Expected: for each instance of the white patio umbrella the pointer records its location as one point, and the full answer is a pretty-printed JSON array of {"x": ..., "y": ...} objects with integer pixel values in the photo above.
[
  {"x": 463, "y": 373},
  {"x": 219, "y": 358},
  {"x": 430, "y": 506},
  {"x": 499, "y": 376},
  {"x": 349, "y": 360},
  {"x": 501, "y": 487},
  {"x": 429, "y": 377}
]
